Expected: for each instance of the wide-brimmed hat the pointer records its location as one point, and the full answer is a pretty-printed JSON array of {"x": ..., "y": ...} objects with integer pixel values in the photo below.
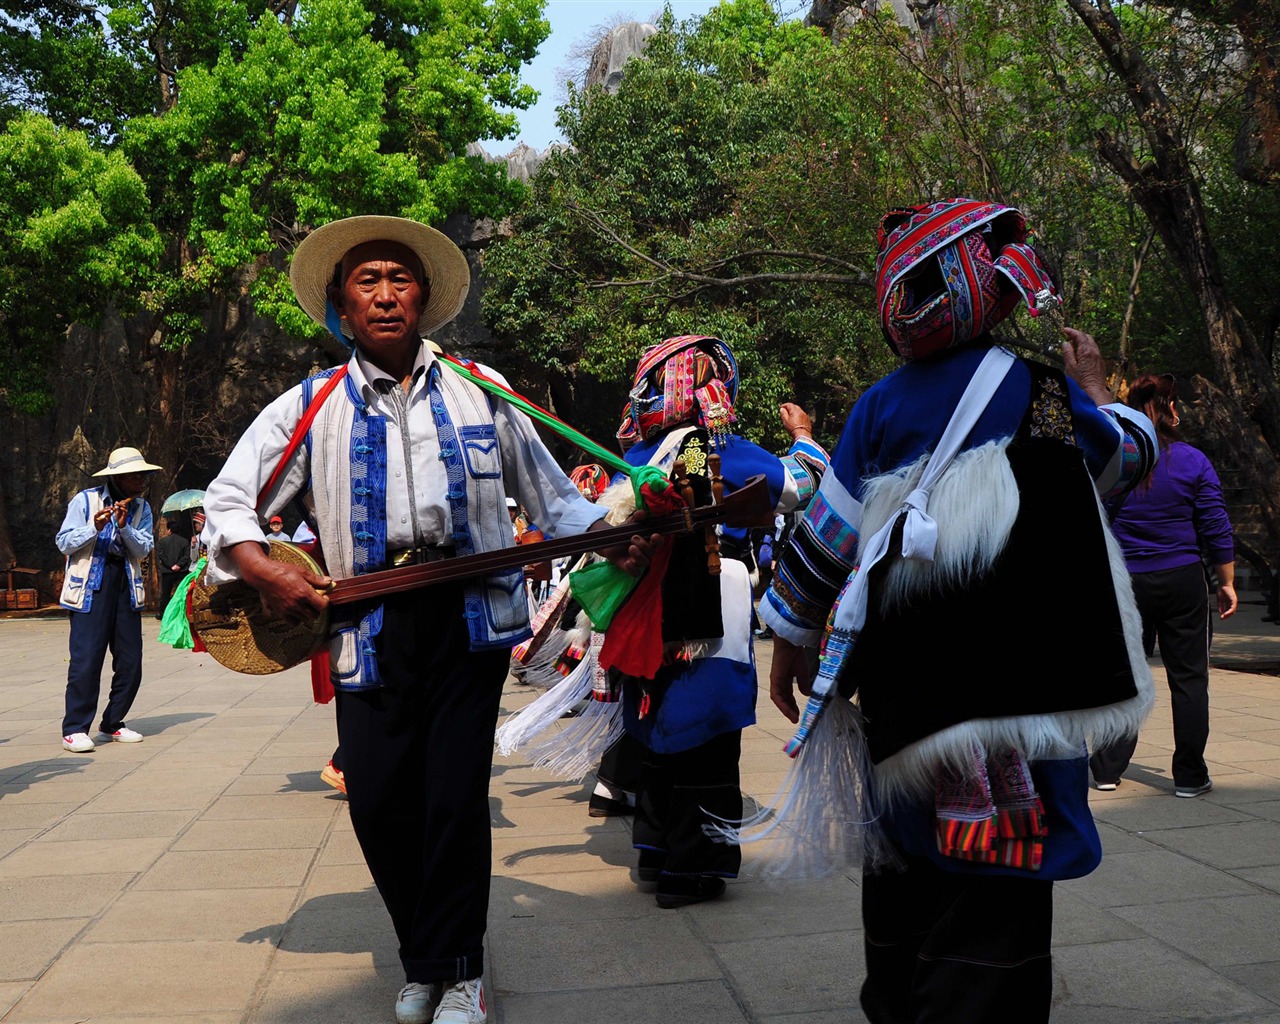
[
  {"x": 126, "y": 460},
  {"x": 445, "y": 266}
]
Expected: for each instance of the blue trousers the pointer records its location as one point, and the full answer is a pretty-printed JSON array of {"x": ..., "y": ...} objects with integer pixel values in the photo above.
[{"x": 110, "y": 623}]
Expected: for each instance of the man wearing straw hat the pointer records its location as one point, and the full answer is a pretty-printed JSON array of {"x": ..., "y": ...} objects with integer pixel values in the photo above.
[
  {"x": 405, "y": 462},
  {"x": 105, "y": 535}
]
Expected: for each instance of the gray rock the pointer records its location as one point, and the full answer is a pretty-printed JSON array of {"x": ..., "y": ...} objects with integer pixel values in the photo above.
[{"x": 613, "y": 52}]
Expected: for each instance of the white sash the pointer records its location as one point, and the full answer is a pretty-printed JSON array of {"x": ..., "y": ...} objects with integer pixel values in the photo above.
[{"x": 919, "y": 531}]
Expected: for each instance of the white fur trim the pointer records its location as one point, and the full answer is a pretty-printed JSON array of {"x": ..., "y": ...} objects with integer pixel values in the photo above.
[{"x": 977, "y": 502}]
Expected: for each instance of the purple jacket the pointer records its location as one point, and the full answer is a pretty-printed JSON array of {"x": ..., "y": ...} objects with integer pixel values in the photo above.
[{"x": 1169, "y": 519}]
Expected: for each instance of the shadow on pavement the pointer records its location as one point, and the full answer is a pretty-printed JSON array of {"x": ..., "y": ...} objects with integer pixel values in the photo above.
[
  {"x": 21, "y": 777},
  {"x": 309, "y": 782},
  {"x": 157, "y": 724}
]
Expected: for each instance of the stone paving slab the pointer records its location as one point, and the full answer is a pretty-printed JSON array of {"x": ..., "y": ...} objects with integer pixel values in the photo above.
[{"x": 207, "y": 875}]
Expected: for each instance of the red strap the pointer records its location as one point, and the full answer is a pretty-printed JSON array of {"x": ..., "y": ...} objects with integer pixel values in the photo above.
[{"x": 300, "y": 431}]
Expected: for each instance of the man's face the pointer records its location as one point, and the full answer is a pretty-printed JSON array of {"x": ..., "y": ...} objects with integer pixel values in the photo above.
[
  {"x": 132, "y": 484},
  {"x": 277, "y": 527},
  {"x": 381, "y": 296}
]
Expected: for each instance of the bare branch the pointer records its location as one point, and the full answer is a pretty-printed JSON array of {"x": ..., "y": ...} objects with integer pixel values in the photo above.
[
  {"x": 1138, "y": 260},
  {"x": 864, "y": 279},
  {"x": 784, "y": 254},
  {"x": 667, "y": 272}
]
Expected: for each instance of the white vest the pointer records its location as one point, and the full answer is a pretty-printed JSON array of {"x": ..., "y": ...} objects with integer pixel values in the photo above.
[
  {"x": 496, "y": 606},
  {"x": 76, "y": 594}
]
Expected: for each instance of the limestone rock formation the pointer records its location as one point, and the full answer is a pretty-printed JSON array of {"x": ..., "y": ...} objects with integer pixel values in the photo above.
[{"x": 613, "y": 52}]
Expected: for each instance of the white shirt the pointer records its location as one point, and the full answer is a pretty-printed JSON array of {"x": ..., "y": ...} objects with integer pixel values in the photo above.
[{"x": 528, "y": 468}]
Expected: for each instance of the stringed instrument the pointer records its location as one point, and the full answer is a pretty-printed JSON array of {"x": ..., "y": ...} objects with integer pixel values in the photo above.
[{"x": 236, "y": 630}]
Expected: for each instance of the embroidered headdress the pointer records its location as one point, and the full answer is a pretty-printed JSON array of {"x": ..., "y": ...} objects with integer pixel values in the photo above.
[
  {"x": 949, "y": 271},
  {"x": 689, "y": 379},
  {"x": 590, "y": 479}
]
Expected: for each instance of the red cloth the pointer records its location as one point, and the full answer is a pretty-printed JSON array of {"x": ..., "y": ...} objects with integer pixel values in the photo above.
[
  {"x": 321, "y": 686},
  {"x": 633, "y": 642}
]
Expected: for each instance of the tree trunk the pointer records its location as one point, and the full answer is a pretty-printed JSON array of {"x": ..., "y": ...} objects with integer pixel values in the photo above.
[
  {"x": 1242, "y": 446},
  {"x": 1245, "y": 401}
]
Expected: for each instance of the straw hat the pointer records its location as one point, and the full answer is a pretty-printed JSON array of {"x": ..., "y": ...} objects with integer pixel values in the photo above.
[
  {"x": 126, "y": 460},
  {"x": 446, "y": 267}
]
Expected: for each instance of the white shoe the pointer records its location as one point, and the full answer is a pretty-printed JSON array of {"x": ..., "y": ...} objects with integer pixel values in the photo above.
[
  {"x": 121, "y": 735},
  {"x": 77, "y": 742},
  {"x": 462, "y": 1003},
  {"x": 416, "y": 1003}
]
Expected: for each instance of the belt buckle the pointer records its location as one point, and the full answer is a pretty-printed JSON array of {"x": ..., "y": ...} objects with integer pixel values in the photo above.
[{"x": 402, "y": 558}]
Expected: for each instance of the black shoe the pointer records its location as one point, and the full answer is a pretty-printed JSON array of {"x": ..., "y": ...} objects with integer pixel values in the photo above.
[
  {"x": 683, "y": 890},
  {"x": 606, "y": 807}
]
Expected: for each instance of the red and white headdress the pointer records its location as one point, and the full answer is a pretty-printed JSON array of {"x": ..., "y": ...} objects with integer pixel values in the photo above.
[
  {"x": 591, "y": 480},
  {"x": 948, "y": 272}
]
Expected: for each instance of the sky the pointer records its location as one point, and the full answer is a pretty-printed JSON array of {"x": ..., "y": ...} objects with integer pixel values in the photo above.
[{"x": 571, "y": 21}]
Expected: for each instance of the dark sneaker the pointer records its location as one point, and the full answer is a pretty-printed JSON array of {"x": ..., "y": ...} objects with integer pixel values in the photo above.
[
  {"x": 1188, "y": 792},
  {"x": 683, "y": 890}
]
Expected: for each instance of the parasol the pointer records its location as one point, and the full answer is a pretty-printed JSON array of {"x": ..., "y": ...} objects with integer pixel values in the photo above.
[{"x": 180, "y": 501}]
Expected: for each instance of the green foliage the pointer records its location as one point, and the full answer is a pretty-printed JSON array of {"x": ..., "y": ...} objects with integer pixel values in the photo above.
[
  {"x": 740, "y": 147},
  {"x": 74, "y": 227},
  {"x": 250, "y": 123},
  {"x": 695, "y": 163}
]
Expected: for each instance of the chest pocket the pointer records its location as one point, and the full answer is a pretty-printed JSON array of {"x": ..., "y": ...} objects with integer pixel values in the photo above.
[{"x": 480, "y": 449}]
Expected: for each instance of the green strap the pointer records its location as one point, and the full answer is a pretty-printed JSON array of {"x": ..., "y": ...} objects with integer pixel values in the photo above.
[{"x": 639, "y": 475}]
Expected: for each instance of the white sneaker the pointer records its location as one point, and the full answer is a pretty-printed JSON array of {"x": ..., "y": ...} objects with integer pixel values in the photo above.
[
  {"x": 462, "y": 1003},
  {"x": 416, "y": 1003},
  {"x": 77, "y": 742},
  {"x": 121, "y": 735}
]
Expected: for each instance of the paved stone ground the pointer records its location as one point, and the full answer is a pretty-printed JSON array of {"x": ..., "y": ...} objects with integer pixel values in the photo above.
[{"x": 207, "y": 875}]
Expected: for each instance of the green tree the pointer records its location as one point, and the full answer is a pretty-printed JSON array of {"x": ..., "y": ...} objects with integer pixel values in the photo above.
[
  {"x": 734, "y": 181},
  {"x": 248, "y": 123},
  {"x": 74, "y": 233},
  {"x": 675, "y": 212}
]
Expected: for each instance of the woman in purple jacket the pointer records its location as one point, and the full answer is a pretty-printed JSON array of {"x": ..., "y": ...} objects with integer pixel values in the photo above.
[{"x": 1163, "y": 526}]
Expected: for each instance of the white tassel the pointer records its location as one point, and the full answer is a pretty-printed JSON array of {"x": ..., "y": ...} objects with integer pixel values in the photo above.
[
  {"x": 540, "y": 670},
  {"x": 577, "y": 747},
  {"x": 535, "y": 718},
  {"x": 822, "y": 819}
]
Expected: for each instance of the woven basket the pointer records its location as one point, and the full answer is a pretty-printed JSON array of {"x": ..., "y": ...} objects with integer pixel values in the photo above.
[{"x": 230, "y": 620}]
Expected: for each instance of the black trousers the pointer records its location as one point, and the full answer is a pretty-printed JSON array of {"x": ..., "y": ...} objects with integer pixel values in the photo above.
[
  {"x": 416, "y": 755},
  {"x": 1175, "y": 610},
  {"x": 168, "y": 583},
  {"x": 949, "y": 948},
  {"x": 678, "y": 794},
  {"x": 111, "y": 623},
  {"x": 620, "y": 765}
]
